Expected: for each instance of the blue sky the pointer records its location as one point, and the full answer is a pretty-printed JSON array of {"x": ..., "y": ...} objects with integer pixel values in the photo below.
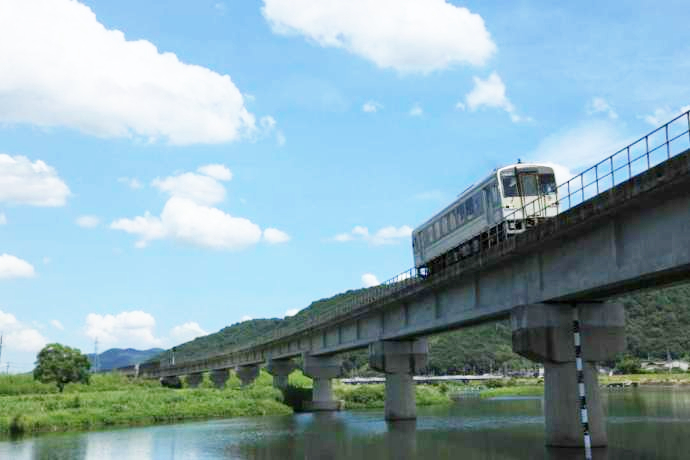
[{"x": 217, "y": 160}]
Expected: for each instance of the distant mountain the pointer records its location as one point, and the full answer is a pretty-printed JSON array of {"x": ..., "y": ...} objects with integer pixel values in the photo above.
[{"x": 119, "y": 357}]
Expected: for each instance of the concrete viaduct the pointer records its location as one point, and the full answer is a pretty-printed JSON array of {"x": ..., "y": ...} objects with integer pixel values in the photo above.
[{"x": 634, "y": 235}]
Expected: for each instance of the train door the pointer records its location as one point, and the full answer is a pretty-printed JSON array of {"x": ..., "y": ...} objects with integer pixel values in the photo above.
[{"x": 492, "y": 202}]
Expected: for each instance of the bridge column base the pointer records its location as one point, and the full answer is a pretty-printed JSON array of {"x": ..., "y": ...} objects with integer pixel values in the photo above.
[
  {"x": 400, "y": 361},
  {"x": 219, "y": 377},
  {"x": 194, "y": 380},
  {"x": 280, "y": 369},
  {"x": 247, "y": 374},
  {"x": 545, "y": 333},
  {"x": 171, "y": 382},
  {"x": 322, "y": 369}
]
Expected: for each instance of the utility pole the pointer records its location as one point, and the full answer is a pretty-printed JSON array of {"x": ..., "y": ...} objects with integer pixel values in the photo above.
[{"x": 96, "y": 358}]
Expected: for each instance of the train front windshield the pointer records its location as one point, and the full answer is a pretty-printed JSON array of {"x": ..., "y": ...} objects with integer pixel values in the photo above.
[{"x": 530, "y": 182}]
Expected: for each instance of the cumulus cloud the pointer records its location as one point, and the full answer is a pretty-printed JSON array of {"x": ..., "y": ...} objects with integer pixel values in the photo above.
[
  {"x": 199, "y": 188},
  {"x": 88, "y": 221},
  {"x": 19, "y": 337},
  {"x": 127, "y": 329},
  {"x": 14, "y": 267},
  {"x": 291, "y": 312},
  {"x": 131, "y": 182},
  {"x": 188, "y": 222},
  {"x": 599, "y": 105},
  {"x": 490, "y": 93},
  {"x": 369, "y": 280},
  {"x": 385, "y": 235},
  {"x": 663, "y": 115},
  {"x": 581, "y": 145},
  {"x": 246, "y": 318},
  {"x": 25, "y": 182},
  {"x": 186, "y": 332},
  {"x": 416, "y": 111},
  {"x": 275, "y": 236},
  {"x": 57, "y": 324},
  {"x": 216, "y": 171},
  {"x": 417, "y": 36},
  {"x": 187, "y": 216},
  {"x": 371, "y": 107},
  {"x": 69, "y": 70}
]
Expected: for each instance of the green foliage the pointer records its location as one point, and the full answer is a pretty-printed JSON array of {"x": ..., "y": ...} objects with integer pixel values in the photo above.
[
  {"x": 61, "y": 365},
  {"x": 373, "y": 396},
  {"x": 628, "y": 365}
]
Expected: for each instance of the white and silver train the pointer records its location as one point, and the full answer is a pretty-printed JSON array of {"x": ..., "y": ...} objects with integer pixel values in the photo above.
[{"x": 507, "y": 201}]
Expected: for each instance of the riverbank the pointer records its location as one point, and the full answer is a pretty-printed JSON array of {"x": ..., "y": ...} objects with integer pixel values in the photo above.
[{"x": 113, "y": 400}]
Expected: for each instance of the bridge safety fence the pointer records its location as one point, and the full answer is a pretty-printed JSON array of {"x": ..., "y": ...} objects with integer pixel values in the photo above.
[{"x": 657, "y": 146}]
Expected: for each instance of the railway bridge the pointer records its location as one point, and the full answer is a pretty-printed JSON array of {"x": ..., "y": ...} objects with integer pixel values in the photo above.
[{"x": 624, "y": 225}]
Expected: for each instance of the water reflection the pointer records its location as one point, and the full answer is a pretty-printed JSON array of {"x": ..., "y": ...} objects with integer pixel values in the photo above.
[{"x": 642, "y": 424}]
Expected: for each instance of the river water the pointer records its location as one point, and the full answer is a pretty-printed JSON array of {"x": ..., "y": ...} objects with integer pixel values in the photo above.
[{"x": 642, "y": 424}]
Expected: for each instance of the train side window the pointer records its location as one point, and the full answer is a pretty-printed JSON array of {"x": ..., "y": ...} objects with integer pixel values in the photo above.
[
  {"x": 478, "y": 203},
  {"x": 428, "y": 236},
  {"x": 444, "y": 225},
  {"x": 469, "y": 209},
  {"x": 461, "y": 213},
  {"x": 452, "y": 222},
  {"x": 495, "y": 196},
  {"x": 437, "y": 230}
]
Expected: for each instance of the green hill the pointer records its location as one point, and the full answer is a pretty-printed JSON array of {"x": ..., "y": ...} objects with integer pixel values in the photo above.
[{"x": 119, "y": 357}]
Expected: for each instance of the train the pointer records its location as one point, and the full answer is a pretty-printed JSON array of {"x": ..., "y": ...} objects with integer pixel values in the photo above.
[{"x": 507, "y": 201}]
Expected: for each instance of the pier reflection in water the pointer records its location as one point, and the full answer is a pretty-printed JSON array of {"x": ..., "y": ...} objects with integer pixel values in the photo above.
[{"x": 643, "y": 424}]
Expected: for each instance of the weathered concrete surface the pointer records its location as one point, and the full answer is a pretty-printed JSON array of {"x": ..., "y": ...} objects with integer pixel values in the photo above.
[
  {"x": 194, "y": 380},
  {"x": 280, "y": 369},
  {"x": 247, "y": 374},
  {"x": 544, "y": 333},
  {"x": 400, "y": 361},
  {"x": 322, "y": 370},
  {"x": 219, "y": 377}
]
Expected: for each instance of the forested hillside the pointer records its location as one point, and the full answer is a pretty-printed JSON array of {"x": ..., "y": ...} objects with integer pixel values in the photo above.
[{"x": 657, "y": 322}]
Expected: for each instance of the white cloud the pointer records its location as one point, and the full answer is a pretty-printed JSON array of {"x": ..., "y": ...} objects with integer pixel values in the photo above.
[
  {"x": 581, "y": 145},
  {"x": 199, "y": 188},
  {"x": 186, "y": 332},
  {"x": 275, "y": 236},
  {"x": 416, "y": 111},
  {"x": 3, "y": 219},
  {"x": 663, "y": 115},
  {"x": 128, "y": 329},
  {"x": 267, "y": 123},
  {"x": 88, "y": 221},
  {"x": 490, "y": 93},
  {"x": 385, "y": 235},
  {"x": 246, "y": 318},
  {"x": 371, "y": 107},
  {"x": 57, "y": 324},
  {"x": 369, "y": 280},
  {"x": 14, "y": 267},
  {"x": 188, "y": 222},
  {"x": 131, "y": 182},
  {"x": 69, "y": 70},
  {"x": 19, "y": 337},
  {"x": 599, "y": 105},
  {"x": 405, "y": 35},
  {"x": 292, "y": 312},
  {"x": 280, "y": 139},
  {"x": 216, "y": 171},
  {"x": 26, "y": 182}
]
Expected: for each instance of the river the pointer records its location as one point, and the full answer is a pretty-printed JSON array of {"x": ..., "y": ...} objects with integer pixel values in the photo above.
[{"x": 645, "y": 423}]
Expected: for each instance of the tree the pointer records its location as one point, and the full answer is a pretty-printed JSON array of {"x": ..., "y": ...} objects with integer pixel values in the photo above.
[{"x": 62, "y": 365}]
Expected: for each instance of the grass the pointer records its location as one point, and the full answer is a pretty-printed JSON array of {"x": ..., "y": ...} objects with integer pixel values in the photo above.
[{"x": 113, "y": 400}]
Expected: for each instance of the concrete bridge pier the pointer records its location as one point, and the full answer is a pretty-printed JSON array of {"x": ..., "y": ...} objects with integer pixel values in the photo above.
[
  {"x": 194, "y": 380},
  {"x": 280, "y": 369},
  {"x": 400, "y": 360},
  {"x": 322, "y": 370},
  {"x": 247, "y": 374},
  {"x": 219, "y": 377},
  {"x": 546, "y": 333},
  {"x": 171, "y": 381}
]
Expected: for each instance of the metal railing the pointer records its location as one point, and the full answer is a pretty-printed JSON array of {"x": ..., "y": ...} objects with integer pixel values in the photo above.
[{"x": 646, "y": 152}]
